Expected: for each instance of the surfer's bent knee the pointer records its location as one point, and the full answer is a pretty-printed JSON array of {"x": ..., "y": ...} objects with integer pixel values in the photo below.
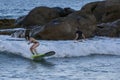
[
  {"x": 31, "y": 48},
  {"x": 36, "y": 44}
]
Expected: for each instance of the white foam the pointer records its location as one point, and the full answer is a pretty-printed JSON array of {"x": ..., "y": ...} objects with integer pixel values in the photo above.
[
  {"x": 97, "y": 45},
  {"x": 15, "y": 29}
]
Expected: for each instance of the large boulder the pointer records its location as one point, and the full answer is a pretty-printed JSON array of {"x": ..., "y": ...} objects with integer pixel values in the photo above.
[
  {"x": 7, "y": 23},
  {"x": 104, "y": 11},
  {"x": 64, "y": 28},
  {"x": 112, "y": 11},
  {"x": 110, "y": 29},
  {"x": 95, "y": 8},
  {"x": 42, "y": 15}
]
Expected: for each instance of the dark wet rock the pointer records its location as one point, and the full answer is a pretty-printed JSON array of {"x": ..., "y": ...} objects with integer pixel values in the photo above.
[
  {"x": 64, "y": 28},
  {"x": 5, "y": 33},
  {"x": 60, "y": 23},
  {"x": 64, "y": 12},
  {"x": 68, "y": 11},
  {"x": 7, "y": 23},
  {"x": 104, "y": 11},
  {"x": 18, "y": 21},
  {"x": 42, "y": 15},
  {"x": 95, "y": 8},
  {"x": 110, "y": 29},
  {"x": 112, "y": 11}
]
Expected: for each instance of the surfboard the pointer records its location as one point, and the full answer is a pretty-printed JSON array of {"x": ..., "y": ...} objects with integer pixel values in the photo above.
[{"x": 41, "y": 56}]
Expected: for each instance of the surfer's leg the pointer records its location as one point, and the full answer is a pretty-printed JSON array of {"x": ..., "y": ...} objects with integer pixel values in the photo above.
[
  {"x": 31, "y": 49},
  {"x": 35, "y": 51},
  {"x": 34, "y": 47}
]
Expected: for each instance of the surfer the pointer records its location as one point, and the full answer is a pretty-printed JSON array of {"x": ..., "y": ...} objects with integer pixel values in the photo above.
[
  {"x": 35, "y": 44},
  {"x": 79, "y": 35}
]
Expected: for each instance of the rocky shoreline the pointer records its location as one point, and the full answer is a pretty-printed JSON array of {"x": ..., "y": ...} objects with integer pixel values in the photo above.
[{"x": 99, "y": 18}]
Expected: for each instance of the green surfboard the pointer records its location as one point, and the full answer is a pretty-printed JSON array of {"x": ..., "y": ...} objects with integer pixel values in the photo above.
[{"x": 41, "y": 56}]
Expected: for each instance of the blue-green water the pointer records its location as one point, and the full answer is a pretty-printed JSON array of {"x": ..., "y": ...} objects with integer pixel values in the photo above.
[
  {"x": 93, "y": 59},
  {"x": 93, "y": 67},
  {"x": 73, "y": 61}
]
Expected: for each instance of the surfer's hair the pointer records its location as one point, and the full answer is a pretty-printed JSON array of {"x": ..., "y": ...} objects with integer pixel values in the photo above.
[
  {"x": 27, "y": 34},
  {"x": 27, "y": 37}
]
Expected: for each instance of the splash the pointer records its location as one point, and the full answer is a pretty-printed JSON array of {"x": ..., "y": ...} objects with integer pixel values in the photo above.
[{"x": 68, "y": 48}]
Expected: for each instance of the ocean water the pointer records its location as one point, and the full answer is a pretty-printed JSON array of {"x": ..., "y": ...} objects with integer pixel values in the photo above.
[
  {"x": 17, "y": 8},
  {"x": 96, "y": 58}
]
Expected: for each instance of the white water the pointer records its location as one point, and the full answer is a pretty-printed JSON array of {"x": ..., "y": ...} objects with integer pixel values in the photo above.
[{"x": 97, "y": 45}]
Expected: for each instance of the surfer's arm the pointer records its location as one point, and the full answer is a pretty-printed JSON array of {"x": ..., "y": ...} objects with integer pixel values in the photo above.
[
  {"x": 76, "y": 36},
  {"x": 83, "y": 36}
]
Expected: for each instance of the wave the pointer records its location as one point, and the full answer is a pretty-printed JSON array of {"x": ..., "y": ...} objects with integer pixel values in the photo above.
[{"x": 67, "y": 48}]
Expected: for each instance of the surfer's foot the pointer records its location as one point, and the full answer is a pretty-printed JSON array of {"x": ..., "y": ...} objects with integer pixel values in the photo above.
[
  {"x": 36, "y": 53},
  {"x": 33, "y": 53}
]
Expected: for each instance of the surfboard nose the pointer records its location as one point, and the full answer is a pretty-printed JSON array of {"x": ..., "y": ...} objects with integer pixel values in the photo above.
[{"x": 50, "y": 53}]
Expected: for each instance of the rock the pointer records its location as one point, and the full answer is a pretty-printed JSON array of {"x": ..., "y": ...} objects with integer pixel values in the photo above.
[
  {"x": 68, "y": 11},
  {"x": 42, "y": 15},
  {"x": 95, "y": 8},
  {"x": 64, "y": 28},
  {"x": 104, "y": 11},
  {"x": 110, "y": 29},
  {"x": 5, "y": 33},
  {"x": 18, "y": 21},
  {"x": 64, "y": 12},
  {"x": 112, "y": 11},
  {"x": 7, "y": 23}
]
